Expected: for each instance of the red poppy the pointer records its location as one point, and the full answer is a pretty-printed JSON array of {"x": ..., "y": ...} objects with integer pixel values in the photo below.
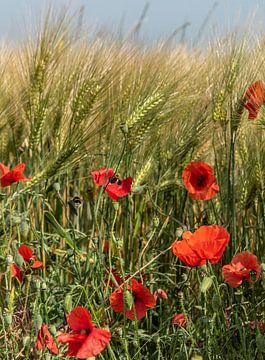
[
  {"x": 86, "y": 340},
  {"x": 9, "y": 177},
  {"x": 199, "y": 180},
  {"x": 45, "y": 339},
  {"x": 255, "y": 323},
  {"x": 142, "y": 299},
  {"x": 179, "y": 320},
  {"x": 207, "y": 243},
  {"x": 254, "y": 98},
  {"x": 17, "y": 272},
  {"x": 244, "y": 266},
  {"x": 160, "y": 294},
  {"x": 28, "y": 256},
  {"x": 115, "y": 187}
]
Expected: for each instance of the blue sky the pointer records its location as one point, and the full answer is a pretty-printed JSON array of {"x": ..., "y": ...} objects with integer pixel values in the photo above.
[{"x": 162, "y": 18}]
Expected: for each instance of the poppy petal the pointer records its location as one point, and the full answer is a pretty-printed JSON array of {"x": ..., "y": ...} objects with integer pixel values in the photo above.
[
  {"x": 36, "y": 264},
  {"x": 117, "y": 301},
  {"x": 95, "y": 342},
  {"x": 26, "y": 252},
  {"x": 141, "y": 292},
  {"x": 186, "y": 254},
  {"x": 138, "y": 312},
  {"x": 17, "y": 272},
  {"x": 102, "y": 175},
  {"x": 80, "y": 319},
  {"x": 4, "y": 169},
  {"x": 116, "y": 191}
]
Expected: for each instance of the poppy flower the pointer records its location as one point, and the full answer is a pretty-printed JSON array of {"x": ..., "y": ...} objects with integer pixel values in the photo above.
[
  {"x": 255, "y": 323},
  {"x": 141, "y": 300},
  {"x": 179, "y": 320},
  {"x": 254, "y": 98},
  {"x": 45, "y": 339},
  {"x": 8, "y": 177},
  {"x": 17, "y": 272},
  {"x": 160, "y": 294},
  {"x": 28, "y": 257},
  {"x": 199, "y": 180},
  {"x": 206, "y": 243},
  {"x": 115, "y": 187},
  {"x": 86, "y": 340},
  {"x": 244, "y": 266}
]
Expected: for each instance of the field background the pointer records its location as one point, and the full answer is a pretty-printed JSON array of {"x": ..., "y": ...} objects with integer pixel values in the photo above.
[{"x": 68, "y": 107}]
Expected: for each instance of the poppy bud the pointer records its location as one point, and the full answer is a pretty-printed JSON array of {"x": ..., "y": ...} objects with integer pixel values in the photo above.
[
  {"x": 37, "y": 284},
  {"x": 115, "y": 205},
  {"x": 124, "y": 128},
  {"x": 206, "y": 284},
  {"x": 24, "y": 228},
  {"x": 68, "y": 303},
  {"x": 156, "y": 222},
  {"x": 19, "y": 260},
  {"x": 9, "y": 259},
  {"x": 43, "y": 286},
  {"x": 216, "y": 302},
  {"x": 56, "y": 187},
  {"x": 128, "y": 299},
  {"x": 260, "y": 342},
  {"x": 26, "y": 341},
  {"x": 8, "y": 318},
  {"x": 38, "y": 322},
  {"x": 179, "y": 233},
  {"x": 48, "y": 357},
  {"x": 53, "y": 330}
]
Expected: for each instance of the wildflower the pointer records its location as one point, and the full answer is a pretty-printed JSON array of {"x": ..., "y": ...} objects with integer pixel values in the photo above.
[
  {"x": 179, "y": 320},
  {"x": 207, "y": 243},
  {"x": 115, "y": 187},
  {"x": 17, "y": 272},
  {"x": 254, "y": 98},
  {"x": 255, "y": 323},
  {"x": 199, "y": 180},
  {"x": 28, "y": 257},
  {"x": 141, "y": 300},
  {"x": 45, "y": 339},
  {"x": 86, "y": 340},
  {"x": 8, "y": 177},
  {"x": 244, "y": 266},
  {"x": 160, "y": 294}
]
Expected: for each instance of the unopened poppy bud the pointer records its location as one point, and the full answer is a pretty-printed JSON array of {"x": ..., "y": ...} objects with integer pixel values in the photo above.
[
  {"x": 56, "y": 187},
  {"x": 8, "y": 319},
  {"x": 124, "y": 128},
  {"x": 115, "y": 205},
  {"x": 37, "y": 284},
  {"x": 9, "y": 259},
  {"x": 38, "y": 322},
  {"x": 68, "y": 303},
  {"x": 19, "y": 260},
  {"x": 26, "y": 341},
  {"x": 43, "y": 286},
  {"x": 206, "y": 284},
  {"x": 156, "y": 221},
  {"x": 260, "y": 342},
  {"x": 216, "y": 302},
  {"x": 24, "y": 228},
  {"x": 180, "y": 295},
  {"x": 160, "y": 294},
  {"x": 128, "y": 299},
  {"x": 48, "y": 357},
  {"x": 53, "y": 330},
  {"x": 179, "y": 233}
]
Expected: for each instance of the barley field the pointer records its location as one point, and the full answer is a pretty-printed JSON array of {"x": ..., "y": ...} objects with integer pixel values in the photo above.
[{"x": 136, "y": 227}]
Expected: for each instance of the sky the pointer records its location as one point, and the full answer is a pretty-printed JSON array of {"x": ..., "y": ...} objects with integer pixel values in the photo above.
[{"x": 162, "y": 18}]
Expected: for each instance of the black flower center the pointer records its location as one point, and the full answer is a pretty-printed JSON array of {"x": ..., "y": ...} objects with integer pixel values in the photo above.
[
  {"x": 200, "y": 180},
  {"x": 114, "y": 180}
]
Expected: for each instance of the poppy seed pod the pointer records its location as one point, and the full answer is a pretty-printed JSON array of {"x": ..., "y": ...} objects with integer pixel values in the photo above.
[
  {"x": 216, "y": 302},
  {"x": 68, "y": 303},
  {"x": 260, "y": 342},
  {"x": 8, "y": 318},
  {"x": 9, "y": 259},
  {"x": 19, "y": 260},
  {"x": 24, "y": 229},
  {"x": 38, "y": 322}
]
